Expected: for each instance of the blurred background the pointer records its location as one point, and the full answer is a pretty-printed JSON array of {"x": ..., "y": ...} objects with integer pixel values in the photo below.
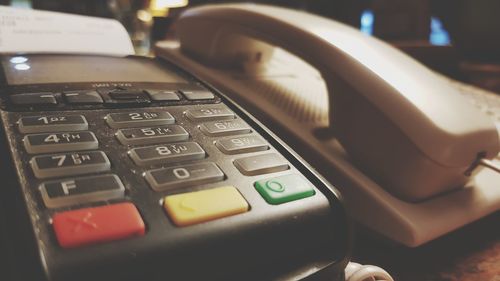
[{"x": 459, "y": 38}]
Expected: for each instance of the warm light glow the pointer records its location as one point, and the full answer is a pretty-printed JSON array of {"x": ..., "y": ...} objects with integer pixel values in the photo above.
[
  {"x": 159, "y": 8},
  {"x": 144, "y": 16},
  {"x": 162, "y": 4}
]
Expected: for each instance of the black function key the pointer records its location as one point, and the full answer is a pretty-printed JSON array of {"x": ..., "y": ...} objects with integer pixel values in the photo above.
[
  {"x": 207, "y": 113},
  {"x": 224, "y": 128},
  {"x": 198, "y": 94},
  {"x": 244, "y": 144},
  {"x": 163, "y": 95},
  {"x": 59, "y": 142},
  {"x": 52, "y": 123},
  {"x": 139, "y": 119},
  {"x": 261, "y": 164},
  {"x": 83, "y": 97},
  {"x": 34, "y": 99},
  {"x": 152, "y": 135},
  {"x": 69, "y": 164},
  {"x": 169, "y": 153},
  {"x": 182, "y": 176},
  {"x": 69, "y": 192},
  {"x": 126, "y": 96}
]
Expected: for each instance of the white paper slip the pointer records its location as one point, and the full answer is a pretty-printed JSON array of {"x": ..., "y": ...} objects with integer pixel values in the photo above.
[{"x": 30, "y": 31}]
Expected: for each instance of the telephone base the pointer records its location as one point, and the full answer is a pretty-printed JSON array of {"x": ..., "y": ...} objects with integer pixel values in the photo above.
[{"x": 299, "y": 107}]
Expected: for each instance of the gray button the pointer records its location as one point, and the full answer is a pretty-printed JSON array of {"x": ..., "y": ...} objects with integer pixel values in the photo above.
[
  {"x": 163, "y": 95},
  {"x": 182, "y": 176},
  {"x": 81, "y": 190},
  {"x": 209, "y": 113},
  {"x": 245, "y": 144},
  {"x": 59, "y": 142},
  {"x": 169, "y": 153},
  {"x": 152, "y": 135},
  {"x": 261, "y": 164},
  {"x": 69, "y": 164},
  {"x": 34, "y": 99},
  {"x": 197, "y": 94},
  {"x": 52, "y": 123},
  {"x": 225, "y": 127},
  {"x": 139, "y": 119},
  {"x": 83, "y": 97}
]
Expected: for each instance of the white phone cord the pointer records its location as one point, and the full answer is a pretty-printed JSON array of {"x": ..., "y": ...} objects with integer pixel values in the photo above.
[{"x": 357, "y": 272}]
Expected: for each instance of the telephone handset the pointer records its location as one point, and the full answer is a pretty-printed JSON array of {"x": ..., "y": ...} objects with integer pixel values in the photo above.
[{"x": 407, "y": 128}]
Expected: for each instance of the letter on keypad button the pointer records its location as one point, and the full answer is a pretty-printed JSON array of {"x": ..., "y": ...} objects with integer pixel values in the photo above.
[
  {"x": 181, "y": 176},
  {"x": 52, "y": 123},
  {"x": 69, "y": 164},
  {"x": 261, "y": 164},
  {"x": 139, "y": 119},
  {"x": 209, "y": 113},
  {"x": 152, "y": 135},
  {"x": 168, "y": 153},
  {"x": 245, "y": 144},
  {"x": 69, "y": 192},
  {"x": 224, "y": 128},
  {"x": 59, "y": 142}
]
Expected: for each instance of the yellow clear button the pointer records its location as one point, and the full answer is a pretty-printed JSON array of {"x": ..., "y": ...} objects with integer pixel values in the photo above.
[{"x": 200, "y": 206}]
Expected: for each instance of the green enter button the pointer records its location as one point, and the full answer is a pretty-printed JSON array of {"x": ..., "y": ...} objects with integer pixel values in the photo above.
[{"x": 284, "y": 189}]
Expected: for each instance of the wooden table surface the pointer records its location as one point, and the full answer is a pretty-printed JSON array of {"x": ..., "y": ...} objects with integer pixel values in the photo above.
[{"x": 471, "y": 253}]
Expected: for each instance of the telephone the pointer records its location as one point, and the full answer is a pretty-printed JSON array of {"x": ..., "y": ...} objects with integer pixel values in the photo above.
[
  {"x": 401, "y": 142},
  {"x": 128, "y": 168}
]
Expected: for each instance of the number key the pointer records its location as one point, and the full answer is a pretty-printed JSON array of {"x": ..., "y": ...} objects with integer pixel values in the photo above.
[
  {"x": 152, "y": 135},
  {"x": 188, "y": 175},
  {"x": 59, "y": 142},
  {"x": 243, "y": 144},
  {"x": 224, "y": 128},
  {"x": 210, "y": 113},
  {"x": 169, "y": 153},
  {"x": 54, "y": 123},
  {"x": 69, "y": 164},
  {"x": 139, "y": 119}
]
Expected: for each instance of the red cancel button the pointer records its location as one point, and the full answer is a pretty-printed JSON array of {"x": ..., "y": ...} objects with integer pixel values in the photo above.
[{"x": 100, "y": 224}]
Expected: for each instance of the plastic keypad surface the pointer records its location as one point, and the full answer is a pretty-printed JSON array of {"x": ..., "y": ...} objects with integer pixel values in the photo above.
[{"x": 197, "y": 152}]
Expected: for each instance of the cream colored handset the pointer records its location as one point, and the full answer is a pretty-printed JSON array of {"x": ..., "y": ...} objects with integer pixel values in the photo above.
[
  {"x": 426, "y": 137},
  {"x": 402, "y": 125}
]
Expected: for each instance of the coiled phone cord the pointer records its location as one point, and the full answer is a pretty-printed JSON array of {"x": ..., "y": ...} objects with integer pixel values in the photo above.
[{"x": 357, "y": 272}]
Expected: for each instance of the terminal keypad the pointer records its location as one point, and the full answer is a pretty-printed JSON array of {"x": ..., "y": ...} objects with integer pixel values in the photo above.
[{"x": 189, "y": 156}]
